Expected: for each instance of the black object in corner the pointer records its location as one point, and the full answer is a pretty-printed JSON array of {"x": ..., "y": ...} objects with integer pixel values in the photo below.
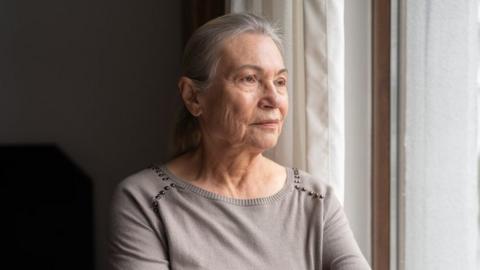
[{"x": 46, "y": 210}]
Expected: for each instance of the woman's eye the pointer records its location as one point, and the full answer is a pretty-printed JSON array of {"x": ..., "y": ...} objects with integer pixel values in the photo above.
[
  {"x": 249, "y": 79},
  {"x": 281, "y": 82}
]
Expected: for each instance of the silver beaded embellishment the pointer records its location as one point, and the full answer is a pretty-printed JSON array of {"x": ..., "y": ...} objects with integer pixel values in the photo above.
[
  {"x": 168, "y": 186},
  {"x": 299, "y": 187}
]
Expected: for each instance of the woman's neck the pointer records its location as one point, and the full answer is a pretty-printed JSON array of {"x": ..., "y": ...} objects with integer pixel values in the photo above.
[{"x": 230, "y": 173}]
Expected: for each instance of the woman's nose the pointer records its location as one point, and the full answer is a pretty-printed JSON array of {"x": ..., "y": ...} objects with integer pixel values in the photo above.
[{"x": 269, "y": 96}]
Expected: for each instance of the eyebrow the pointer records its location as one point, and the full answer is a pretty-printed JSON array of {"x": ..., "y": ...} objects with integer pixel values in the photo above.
[{"x": 283, "y": 70}]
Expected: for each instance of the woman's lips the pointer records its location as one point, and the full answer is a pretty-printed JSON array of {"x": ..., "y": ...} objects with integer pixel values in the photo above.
[{"x": 267, "y": 124}]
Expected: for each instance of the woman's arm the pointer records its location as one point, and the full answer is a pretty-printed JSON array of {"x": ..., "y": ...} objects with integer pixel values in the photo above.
[
  {"x": 340, "y": 250},
  {"x": 136, "y": 234}
]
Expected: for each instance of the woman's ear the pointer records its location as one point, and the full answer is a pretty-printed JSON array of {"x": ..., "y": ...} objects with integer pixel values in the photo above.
[{"x": 189, "y": 94}]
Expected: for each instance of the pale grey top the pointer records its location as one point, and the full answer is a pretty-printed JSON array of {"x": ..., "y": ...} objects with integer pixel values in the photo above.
[{"x": 160, "y": 221}]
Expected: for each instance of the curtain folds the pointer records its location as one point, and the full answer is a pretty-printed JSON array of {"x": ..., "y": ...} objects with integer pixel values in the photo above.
[{"x": 313, "y": 36}]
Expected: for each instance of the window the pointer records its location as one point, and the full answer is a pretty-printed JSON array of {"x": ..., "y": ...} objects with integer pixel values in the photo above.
[{"x": 433, "y": 74}]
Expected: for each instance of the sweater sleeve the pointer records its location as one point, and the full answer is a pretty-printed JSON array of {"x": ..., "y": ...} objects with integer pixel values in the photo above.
[
  {"x": 340, "y": 250},
  {"x": 136, "y": 238}
]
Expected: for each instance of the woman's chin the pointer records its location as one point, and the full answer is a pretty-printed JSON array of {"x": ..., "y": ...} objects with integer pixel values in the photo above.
[{"x": 266, "y": 144}]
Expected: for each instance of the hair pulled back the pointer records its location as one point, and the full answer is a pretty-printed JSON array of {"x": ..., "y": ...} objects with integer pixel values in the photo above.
[{"x": 200, "y": 59}]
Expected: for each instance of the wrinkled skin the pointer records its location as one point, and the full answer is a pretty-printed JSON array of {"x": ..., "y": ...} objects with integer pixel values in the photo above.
[
  {"x": 246, "y": 104},
  {"x": 241, "y": 115}
]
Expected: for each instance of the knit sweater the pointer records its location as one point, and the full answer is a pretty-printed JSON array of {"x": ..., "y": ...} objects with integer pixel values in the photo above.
[{"x": 160, "y": 221}]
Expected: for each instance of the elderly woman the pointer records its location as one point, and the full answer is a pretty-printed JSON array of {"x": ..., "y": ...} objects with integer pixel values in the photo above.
[{"x": 221, "y": 204}]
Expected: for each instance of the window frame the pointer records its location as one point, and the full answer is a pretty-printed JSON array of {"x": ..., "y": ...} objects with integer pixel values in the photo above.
[{"x": 381, "y": 123}]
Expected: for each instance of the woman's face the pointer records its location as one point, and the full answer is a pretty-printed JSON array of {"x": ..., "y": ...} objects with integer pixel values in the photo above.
[{"x": 247, "y": 102}]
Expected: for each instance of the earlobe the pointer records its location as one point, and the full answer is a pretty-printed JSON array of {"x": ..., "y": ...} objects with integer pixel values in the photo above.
[{"x": 189, "y": 94}]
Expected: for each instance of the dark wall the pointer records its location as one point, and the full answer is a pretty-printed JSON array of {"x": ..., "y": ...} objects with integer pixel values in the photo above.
[{"x": 96, "y": 77}]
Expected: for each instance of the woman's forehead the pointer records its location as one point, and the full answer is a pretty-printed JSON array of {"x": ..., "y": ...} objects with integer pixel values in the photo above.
[{"x": 254, "y": 51}]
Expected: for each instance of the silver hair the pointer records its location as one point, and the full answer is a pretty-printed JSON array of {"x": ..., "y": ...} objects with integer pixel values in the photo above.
[
  {"x": 200, "y": 59},
  {"x": 202, "y": 52}
]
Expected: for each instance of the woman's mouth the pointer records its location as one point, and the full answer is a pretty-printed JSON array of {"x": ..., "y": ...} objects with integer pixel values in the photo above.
[{"x": 270, "y": 124}]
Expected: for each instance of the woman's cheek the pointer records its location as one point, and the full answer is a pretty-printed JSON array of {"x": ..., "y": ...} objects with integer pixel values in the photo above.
[
  {"x": 231, "y": 122},
  {"x": 284, "y": 106}
]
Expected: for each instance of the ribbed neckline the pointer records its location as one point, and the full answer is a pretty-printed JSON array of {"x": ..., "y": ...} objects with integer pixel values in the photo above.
[{"x": 242, "y": 202}]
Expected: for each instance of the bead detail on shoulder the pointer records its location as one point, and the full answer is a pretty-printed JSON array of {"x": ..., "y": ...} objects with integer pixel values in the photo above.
[
  {"x": 167, "y": 186},
  {"x": 298, "y": 186}
]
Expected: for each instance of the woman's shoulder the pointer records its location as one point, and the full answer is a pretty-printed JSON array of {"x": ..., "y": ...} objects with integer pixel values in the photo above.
[
  {"x": 312, "y": 185},
  {"x": 142, "y": 183}
]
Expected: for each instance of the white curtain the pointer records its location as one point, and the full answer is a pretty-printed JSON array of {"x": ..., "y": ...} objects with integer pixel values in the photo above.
[
  {"x": 313, "y": 36},
  {"x": 438, "y": 170}
]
